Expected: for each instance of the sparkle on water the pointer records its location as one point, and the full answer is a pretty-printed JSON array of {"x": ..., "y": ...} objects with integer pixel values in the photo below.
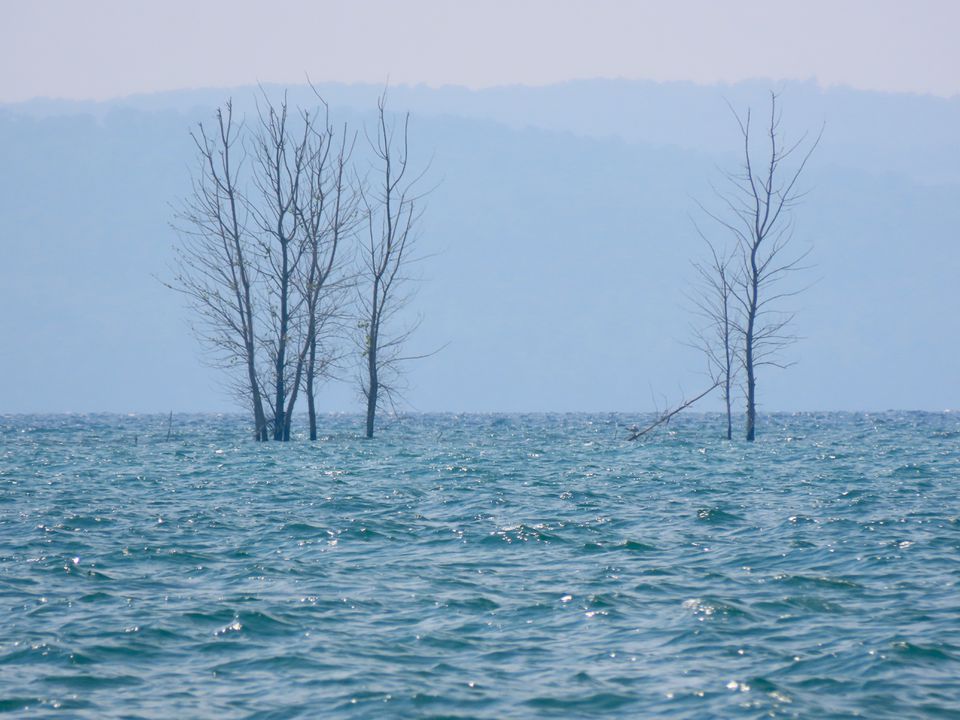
[{"x": 481, "y": 566}]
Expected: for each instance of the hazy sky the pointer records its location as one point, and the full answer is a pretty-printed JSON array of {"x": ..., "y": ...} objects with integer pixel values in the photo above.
[{"x": 106, "y": 48}]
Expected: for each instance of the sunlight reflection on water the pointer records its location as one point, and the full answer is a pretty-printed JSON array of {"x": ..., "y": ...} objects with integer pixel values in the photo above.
[{"x": 481, "y": 566}]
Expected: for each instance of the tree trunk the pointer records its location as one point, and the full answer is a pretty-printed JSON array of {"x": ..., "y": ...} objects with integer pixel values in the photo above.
[
  {"x": 311, "y": 370},
  {"x": 259, "y": 418},
  {"x": 373, "y": 388},
  {"x": 749, "y": 349},
  {"x": 727, "y": 354},
  {"x": 371, "y": 407},
  {"x": 726, "y": 398},
  {"x": 311, "y": 408},
  {"x": 280, "y": 424},
  {"x": 294, "y": 392},
  {"x": 751, "y": 382}
]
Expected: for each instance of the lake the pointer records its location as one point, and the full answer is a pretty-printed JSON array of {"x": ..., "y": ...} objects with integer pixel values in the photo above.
[{"x": 481, "y": 566}]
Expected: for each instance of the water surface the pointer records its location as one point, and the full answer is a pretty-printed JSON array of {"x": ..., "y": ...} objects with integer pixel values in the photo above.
[{"x": 481, "y": 566}]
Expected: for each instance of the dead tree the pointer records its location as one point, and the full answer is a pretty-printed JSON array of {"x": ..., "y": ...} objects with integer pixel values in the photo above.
[
  {"x": 390, "y": 205},
  {"x": 759, "y": 201},
  {"x": 279, "y": 175},
  {"x": 216, "y": 260},
  {"x": 327, "y": 211},
  {"x": 718, "y": 338}
]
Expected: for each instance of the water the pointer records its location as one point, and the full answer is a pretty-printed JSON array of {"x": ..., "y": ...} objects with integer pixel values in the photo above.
[{"x": 481, "y": 566}]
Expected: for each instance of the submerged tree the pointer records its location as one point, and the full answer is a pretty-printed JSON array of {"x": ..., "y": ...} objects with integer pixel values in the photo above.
[
  {"x": 258, "y": 258},
  {"x": 759, "y": 201},
  {"x": 718, "y": 338},
  {"x": 279, "y": 177},
  {"x": 390, "y": 204},
  {"x": 216, "y": 261},
  {"x": 327, "y": 213}
]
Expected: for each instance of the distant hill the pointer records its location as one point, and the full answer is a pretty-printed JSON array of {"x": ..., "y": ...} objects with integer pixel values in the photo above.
[{"x": 560, "y": 238}]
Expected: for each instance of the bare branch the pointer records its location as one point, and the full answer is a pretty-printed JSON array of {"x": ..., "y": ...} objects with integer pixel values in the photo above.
[{"x": 666, "y": 415}]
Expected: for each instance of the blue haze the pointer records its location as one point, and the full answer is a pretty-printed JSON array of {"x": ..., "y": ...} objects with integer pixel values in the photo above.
[{"x": 559, "y": 237}]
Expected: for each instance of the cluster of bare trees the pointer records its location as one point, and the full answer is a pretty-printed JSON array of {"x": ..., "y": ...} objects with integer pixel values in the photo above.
[
  {"x": 289, "y": 254},
  {"x": 746, "y": 277},
  {"x": 268, "y": 259},
  {"x": 742, "y": 284}
]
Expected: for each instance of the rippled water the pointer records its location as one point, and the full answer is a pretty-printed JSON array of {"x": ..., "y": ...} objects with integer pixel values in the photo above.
[{"x": 481, "y": 566}]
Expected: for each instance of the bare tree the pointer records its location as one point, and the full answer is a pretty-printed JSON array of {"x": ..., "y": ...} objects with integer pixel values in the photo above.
[
  {"x": 280, "y": 169},
  {"x": 390, "y": 204},
  {"x": 718, "y": 339},
  {"x": 259, "y": 259},
  {"x": 216, "y": 260},
  {"x": 759, "y": 203},
  {"x": 327, "y": 213}
]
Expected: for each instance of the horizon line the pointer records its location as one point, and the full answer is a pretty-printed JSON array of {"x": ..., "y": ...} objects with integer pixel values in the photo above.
[
  {"x": 417, "y": 413},
  {"x": 811, "y": 80}
]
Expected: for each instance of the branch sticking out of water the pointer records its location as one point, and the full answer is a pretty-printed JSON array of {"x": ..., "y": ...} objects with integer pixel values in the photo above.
[{"x": 664, "y": 417}]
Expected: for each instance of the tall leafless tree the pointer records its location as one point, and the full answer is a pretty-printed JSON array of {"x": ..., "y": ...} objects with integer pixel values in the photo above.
[
  {"x": 216, "y": 261},
  {"x": 280, "y": 169},
  {"x": 759, "y": 201},
  {"x": 717, "y": 336},
  {"x": 327, "y": 211},
  {"x": 390, "y": 203}
]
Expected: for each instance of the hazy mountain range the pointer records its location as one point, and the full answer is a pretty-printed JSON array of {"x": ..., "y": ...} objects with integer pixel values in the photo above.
[{"x": 559, "y": 236}]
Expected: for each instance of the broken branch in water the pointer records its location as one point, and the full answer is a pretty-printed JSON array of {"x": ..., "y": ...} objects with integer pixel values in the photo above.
[{"x": 665, "y": 416}]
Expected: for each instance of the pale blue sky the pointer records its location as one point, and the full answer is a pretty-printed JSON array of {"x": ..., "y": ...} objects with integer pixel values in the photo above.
[{"x": 98, "y": 49}]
